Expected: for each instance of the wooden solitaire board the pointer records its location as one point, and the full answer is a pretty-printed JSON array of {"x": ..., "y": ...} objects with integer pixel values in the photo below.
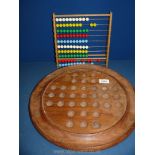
[{"x": 83, "y": 107}]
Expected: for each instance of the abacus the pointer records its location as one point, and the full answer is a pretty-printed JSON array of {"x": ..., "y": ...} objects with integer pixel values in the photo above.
[{"x": 82, "y": 38}]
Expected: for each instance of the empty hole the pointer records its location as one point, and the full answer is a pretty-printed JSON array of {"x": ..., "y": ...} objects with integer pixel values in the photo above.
[
  {"x": 107, "y": 105},
  {"x": 96, "y": 114},
  {"x": 53, "y": 87},
  {"x": 83, "y": 104},
  {"x": 105, "y": 96},
  {"x": 73, "y": 87},
  {"x": 60, "y": 103},
  {"x": 70, "y": 113},
  {"x": 61, "y": 95},
  {"x": 69, "y": 124},
  {"x": 96, "y": 124},
  {"x": 74, "y": 80},
  {"x": 83, "y": 124},
  {"x": 83, "y": 95},
  {"x": 71, "y": 103},
  {"x": 49, "y": 103},
  {"x": 95, "y": 104},
  {"x": 63, "y": 87},
  {"x": 83, "y": 113},
  {"x": 72, "y": 95},
  {"x": 51, "y": 95}
]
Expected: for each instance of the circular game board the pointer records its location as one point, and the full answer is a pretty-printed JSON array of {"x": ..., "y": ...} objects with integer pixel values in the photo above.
[{"x": 83, "y": 107}]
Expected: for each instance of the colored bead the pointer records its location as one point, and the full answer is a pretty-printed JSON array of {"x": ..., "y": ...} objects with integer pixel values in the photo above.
[
  {"x": 73, "y": 41},
  {"x": 80, "y": 25},
  {"x": 76, "y": 19},
  {"x": 87, "y": 19}
]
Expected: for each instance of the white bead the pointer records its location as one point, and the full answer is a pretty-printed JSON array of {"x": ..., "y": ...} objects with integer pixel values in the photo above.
[
  {"x": 86, "y": 47},
  {"x": 83, "y": 19},
  {"x": 76, "y": 19},
  {"x": 70, "y": 19},
  {"x": 59, "y": 46},
  {"x": 62, "y": 46},
  {"x": 63, "y": 19},
  {"x": 71, "y": 46},
  {"x": 77, "y": 47},
  {"x": 57, "y": 19},
  {"x": 66, "y": 19},
  {"x": 60, "y": 19},
  {"x": 67, "y": 46},
  {"x": 80, "y": 19},
  {"x": 87, "y": 19},
  {"x": 73, "y": 19}
]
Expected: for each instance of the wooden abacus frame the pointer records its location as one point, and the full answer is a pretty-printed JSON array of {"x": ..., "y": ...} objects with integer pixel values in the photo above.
[{"x": 106, "y": 58}]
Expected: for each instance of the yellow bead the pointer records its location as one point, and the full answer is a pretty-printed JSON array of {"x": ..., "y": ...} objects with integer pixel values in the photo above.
[
  {"x": 73, "y": 25},
  {"x": 70, "y": 25},
  {"x": 77, "y": 25},
  {"x": 75, "y": 51},
  {"x": 94, "y": 24},
  {"x": 60, "y": 25},
  {"x": 67, "y": 25},
  {"x": 57, "y": 25},
  {"x": 80, "y": 25}
]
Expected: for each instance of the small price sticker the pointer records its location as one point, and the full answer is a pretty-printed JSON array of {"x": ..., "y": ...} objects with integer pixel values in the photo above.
[{"x": 104, "y": 81}]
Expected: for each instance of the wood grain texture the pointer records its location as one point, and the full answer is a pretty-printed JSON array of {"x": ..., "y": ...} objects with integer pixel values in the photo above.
[{"x": 72, "y": 109}]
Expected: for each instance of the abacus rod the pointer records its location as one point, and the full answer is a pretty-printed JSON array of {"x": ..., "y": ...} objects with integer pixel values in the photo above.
[
  {"x": 98, "y": 30},
  {"x": 55, "y": 38},
  {"x": 109, "y": 35},
  {"x": 87, "y": 15},
  {"x": 97, "y": 35},
  {"x": 96, "y": 46},
  {"x": 97, "y": 41},
  {"x": 97, "y": 51},
  {"x": 96, "y": 54},
  {"x": 96, "y": 24},
  {"x": 97, "y": 19}
]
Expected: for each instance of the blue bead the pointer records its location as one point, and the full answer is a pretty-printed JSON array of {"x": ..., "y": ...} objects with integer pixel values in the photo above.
[
  {"x": 77, "y": 41},
  {"x": 64, "y": 41},
  {"x": 86, "y": 41},
  {"x": 73, "y": 41},
  {"x": 80, "y": 41},
  {"x": 58, "y": 41},
  {"x": 67, "y": 41}
]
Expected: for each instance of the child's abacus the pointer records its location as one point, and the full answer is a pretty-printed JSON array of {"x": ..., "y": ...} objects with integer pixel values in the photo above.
[{"x": 82, "y": 38}]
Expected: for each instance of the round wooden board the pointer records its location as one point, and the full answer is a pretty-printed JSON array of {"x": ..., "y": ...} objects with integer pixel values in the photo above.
[{"x": 83, "y": 107}]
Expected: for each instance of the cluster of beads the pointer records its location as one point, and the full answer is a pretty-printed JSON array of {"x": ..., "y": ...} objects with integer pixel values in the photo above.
[
  {"x": 82, "y": 55},
  {"x": 72, "y": 51},
  {"x": 72, "y": 46},
  {"x": 75, "y": 60},
  {"x": 71, "y": 19},
  {"x": 69, "y": 25},
  {"x": 92, "y": 24},
  {"x": 73, "y": 31},
  {"x": 72, "y": 41},
  {"x": 72, "y": 35}
]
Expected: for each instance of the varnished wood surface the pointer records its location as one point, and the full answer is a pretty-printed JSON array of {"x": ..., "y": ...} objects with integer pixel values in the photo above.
[{"x": 72, "y": 109}]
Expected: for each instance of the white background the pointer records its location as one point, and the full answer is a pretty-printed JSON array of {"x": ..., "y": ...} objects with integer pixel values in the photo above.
[{"x": 145, "y": 77}]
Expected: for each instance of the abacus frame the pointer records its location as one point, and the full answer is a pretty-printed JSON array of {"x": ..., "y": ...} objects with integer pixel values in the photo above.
[{"x": 106, "y": 58}]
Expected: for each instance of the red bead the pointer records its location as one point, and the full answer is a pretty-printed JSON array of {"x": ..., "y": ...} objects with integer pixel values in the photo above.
[
  {"x": 86, "y": 35},
  {"x": 57, "y": 35},
  {"x": 71, "y": 36}
]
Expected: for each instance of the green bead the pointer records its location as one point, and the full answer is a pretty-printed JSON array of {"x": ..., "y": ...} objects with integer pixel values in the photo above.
[
  {"x": 84, "y": 30},
  {"x": 71, "y": 31},
  {"x": 80, "y": 31},
  {"x": 87, "y": 30},
  {"x": 77, "y": 31}
]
